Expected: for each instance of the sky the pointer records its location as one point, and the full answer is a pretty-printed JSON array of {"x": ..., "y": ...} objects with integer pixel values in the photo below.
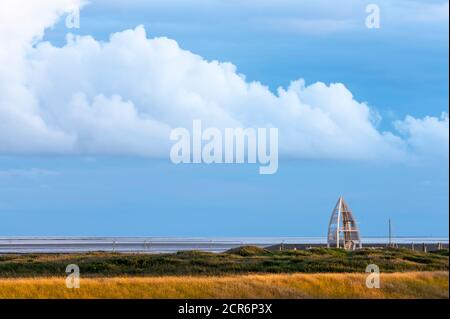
[{"x": 85, "y": 116}]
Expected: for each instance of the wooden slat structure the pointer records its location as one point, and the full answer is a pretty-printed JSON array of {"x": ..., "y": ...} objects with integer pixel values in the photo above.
[{"x": 343, "y": 230}]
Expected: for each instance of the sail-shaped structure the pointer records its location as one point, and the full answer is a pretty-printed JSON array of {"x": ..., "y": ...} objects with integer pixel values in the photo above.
[{"x": 343, "y": 231}]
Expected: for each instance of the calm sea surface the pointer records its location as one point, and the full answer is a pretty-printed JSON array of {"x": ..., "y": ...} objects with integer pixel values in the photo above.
[{"x": 171, "y": 244}]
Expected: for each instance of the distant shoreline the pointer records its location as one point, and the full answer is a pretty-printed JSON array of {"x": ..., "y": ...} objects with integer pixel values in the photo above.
[{"x": 209, "y": 244}]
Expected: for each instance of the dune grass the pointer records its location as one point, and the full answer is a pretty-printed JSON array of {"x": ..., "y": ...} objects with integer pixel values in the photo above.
[
  {"x": 329, "y": 285},
  {"x": 242, "y": 260}
]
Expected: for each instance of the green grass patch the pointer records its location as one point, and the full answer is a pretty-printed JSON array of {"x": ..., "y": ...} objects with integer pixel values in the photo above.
[{"x": 242, "y": 260}]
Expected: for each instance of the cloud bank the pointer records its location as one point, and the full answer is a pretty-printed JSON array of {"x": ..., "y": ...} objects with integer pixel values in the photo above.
[{"x": 123, "y": 96}]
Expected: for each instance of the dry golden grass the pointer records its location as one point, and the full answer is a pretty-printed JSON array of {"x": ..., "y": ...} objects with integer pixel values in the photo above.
[{"x": 394, "y": 285}]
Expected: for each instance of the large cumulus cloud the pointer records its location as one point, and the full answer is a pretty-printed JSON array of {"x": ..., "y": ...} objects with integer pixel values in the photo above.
[{"x": 124, "y": 95}]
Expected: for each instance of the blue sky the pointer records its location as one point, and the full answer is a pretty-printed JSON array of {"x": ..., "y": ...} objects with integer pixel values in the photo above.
[
  {"x": 400, "y": 69},
  {"x": 129, "y": 196}
]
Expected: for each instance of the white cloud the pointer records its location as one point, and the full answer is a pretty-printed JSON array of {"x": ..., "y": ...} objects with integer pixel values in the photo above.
[
  {"x": 427, "y": 136},
  {"x": 33, "y": 172},
  {"x": 308, "y": 26},
  {"x": 21, "y": 24},
  {"x": 123, "y": 96},
  {"x": 422, "y": 12}
]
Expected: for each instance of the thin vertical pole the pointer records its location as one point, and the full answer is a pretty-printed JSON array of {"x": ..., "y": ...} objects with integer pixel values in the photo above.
[{"x": 390, "y": 233}]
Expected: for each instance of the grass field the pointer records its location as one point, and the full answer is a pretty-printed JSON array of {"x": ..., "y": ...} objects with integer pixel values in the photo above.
[
  {"x": 393, "y": 285},
  {"x": 244, "y": 260},
  {"x": 245, "y": 272}
]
